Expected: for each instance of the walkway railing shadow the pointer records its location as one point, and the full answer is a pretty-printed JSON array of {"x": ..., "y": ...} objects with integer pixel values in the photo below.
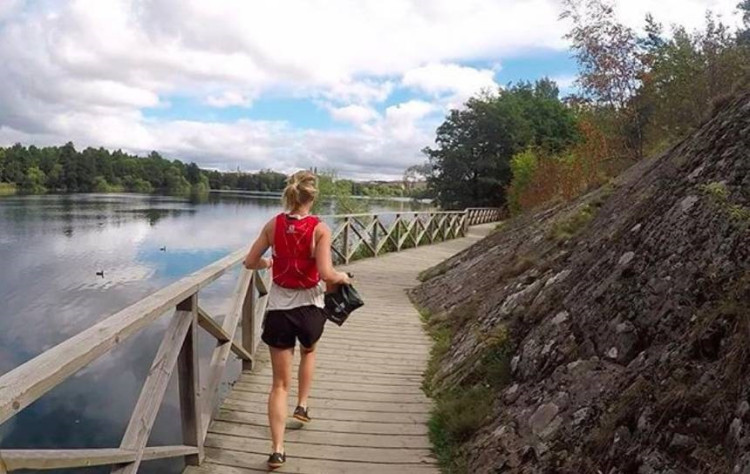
[{"x": 355, "y": 236}]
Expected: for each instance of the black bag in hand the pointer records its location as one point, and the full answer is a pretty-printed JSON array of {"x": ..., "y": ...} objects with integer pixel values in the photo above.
[{"x": 341, "y": 303}]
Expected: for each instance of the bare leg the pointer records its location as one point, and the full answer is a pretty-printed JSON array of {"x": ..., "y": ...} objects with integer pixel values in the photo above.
[
  {"x": 306, "y": 372},
  {"x": 281, "y": 362}
]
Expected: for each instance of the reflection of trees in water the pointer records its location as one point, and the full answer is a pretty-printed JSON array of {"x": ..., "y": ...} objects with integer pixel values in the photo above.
[{"x": 154, "y": 215}]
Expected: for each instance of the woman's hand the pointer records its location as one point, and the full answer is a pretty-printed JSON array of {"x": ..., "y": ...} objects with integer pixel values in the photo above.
[{"x": 344, "y": 279}]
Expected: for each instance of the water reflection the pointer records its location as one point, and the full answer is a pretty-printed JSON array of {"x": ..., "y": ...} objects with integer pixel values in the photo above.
[{"x": 52, "y": 249}]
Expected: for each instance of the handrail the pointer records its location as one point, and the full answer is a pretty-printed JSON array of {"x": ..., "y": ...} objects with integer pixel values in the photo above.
[{"x": 356, "y": 236}]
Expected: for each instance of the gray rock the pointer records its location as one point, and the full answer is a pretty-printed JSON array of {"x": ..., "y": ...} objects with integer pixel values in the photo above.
[
  {"x": 735, "y": 431},
  {"x": 643, "y": 421},
  {"x": 682, "y": 442},
  {"x": 551, "y": 429},
  {"x": 626, "y": 258},
  {"x": 612, "y": 353},
  {"x": 562, "y": 400},
  {"x": 557, "y": 278},
  {"x": 688, "y": 203},
  {"x": 512, "y": 393},
  {"x": 581, "y": 415},
  {"x": 542, "y": 417},
  {"x": 636, "y": 228},
  {"x": 560, "y": 317},
  {"x": 743, "y": 409},
  {"x": 514, "y": 363}
]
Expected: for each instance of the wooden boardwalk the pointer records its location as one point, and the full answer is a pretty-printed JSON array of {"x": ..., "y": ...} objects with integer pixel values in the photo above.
[{"x": 369, "y": 412}]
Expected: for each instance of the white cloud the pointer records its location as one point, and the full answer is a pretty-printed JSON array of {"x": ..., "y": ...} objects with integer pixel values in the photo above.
[
  {"x": 437, "y": 79},
  {"x": 229, "y": 99},
  {"x": 85, "y": 70},
  {"x": 354, "y": 113}
]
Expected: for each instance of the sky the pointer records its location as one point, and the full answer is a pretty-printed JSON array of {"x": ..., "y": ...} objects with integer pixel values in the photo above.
[{"x": 355, "y": 86}]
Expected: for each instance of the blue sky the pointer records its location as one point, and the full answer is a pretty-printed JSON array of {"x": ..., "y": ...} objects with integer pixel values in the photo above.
[
  {"x": 305, "y": 113},
  {"x": 358, "y": 86}
]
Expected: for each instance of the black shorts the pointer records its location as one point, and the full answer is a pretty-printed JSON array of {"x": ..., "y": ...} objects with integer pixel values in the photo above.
[{"x": 282, "y": 327}]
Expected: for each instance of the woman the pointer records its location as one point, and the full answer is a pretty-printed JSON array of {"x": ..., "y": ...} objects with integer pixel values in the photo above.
[{"x": 301, "y": 258}]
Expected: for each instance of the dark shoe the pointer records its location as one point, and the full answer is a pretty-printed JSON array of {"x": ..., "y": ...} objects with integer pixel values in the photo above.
[
  {"x": 301, "y": 414},
  {"x": 276, "y": 460}
]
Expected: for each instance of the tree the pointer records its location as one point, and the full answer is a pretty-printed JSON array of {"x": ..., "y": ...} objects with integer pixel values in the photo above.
[
  {"x": 743, "y": 36},
  {"x": 606, "y": 51},
  {"x": 33, "y": 181},
  {"x": 471, "y": 163},
  {"x": 610, "y": 68}
]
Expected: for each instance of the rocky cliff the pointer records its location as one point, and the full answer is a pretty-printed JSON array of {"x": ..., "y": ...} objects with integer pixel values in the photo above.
[{"x": 610, "y": 335}]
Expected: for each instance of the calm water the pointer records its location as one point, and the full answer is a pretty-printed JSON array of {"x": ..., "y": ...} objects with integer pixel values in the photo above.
[{"x": 51, "y": 248}]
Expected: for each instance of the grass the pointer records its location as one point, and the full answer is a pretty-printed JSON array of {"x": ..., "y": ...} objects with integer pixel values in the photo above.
[
  {"x": 719, "y": 194},
  {"x": 433, "y": 272},
  {"x": 462, "y": 410},
  {"x": 566, "y": 229},
  {"x": 455, "y": 419},
  {"x": 8, "y": 189}
]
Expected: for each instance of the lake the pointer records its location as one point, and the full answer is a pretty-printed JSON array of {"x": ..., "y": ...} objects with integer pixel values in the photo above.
[{"x": 51, "y": 249}]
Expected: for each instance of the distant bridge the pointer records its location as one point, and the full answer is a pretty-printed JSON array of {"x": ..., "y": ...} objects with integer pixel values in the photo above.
[{"x": 369, "y": 413}]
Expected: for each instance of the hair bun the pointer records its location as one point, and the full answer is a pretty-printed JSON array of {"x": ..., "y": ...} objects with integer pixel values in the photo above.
[{"x": 301, "y": 189}]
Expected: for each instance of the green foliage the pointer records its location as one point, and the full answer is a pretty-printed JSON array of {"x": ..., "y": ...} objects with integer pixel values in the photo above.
[
  {"x": 565, "y": 229},
  {"x": 471, "y": 164},
  {"x": 522, "y": 167},
  {"x": 456, "y": 417},
  {"x": 7, "y": 189},
  {"x": 33, "y": 181},
  {"x": 264, "y": 180},
  {"x": 719, "y": 194},
  {"x": 717, "y": 191},
  {"x": 649, "y": 91},
  {"x": 98, "y": 170},
  {"x": 462, "y": 410},
  {"x": 337, "y": 194}
]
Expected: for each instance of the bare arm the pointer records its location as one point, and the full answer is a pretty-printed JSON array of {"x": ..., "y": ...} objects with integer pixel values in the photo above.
[
  {"x": 254, "y": 259},
  {"x": 324, "y": 259}
]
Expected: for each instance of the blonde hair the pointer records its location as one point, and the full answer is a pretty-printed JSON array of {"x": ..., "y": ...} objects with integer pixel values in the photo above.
[{"x": 301, "y": 188}]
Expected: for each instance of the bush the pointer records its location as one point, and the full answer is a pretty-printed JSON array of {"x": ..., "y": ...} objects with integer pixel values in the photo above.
[{"x": 540, "y": 178}]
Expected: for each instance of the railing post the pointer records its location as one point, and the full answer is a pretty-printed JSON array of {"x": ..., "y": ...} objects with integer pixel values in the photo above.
[
  {"x": 466, "y": 223},
  {"x": 375, "y": 234},
  {"x": 397, "y": 230},
  {"x": 248, "y": 322},
  {"x": 188, "y": 378},
  {"x": 346, "y": 240}
]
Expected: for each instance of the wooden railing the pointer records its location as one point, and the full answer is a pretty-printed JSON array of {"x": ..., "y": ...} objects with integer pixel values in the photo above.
[
  {"x": 484, "y": 215},
  {"x": 356, "y": 236}
]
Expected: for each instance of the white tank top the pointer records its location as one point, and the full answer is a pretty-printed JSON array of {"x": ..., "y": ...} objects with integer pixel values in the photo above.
[{"x": 287, "y": 298}]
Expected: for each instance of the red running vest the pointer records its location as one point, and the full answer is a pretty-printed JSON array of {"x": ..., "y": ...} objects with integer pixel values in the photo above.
[{"x": 293, "y": 265}]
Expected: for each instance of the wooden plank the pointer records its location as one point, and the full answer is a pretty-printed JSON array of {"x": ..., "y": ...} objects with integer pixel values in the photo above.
[
  {"x": 347, "y": 384},
  {"x": 26, "y": 383},
  {"x": 395, "y": 441},
  {"x": 244, "y": 460},
  {"x": 248, "y": 322},
  {"x": 221, "y": 352},
  {"x": 163, "y": 452},
  {"x": 318, "y": 393},
  {"x": 347, "y": 377},
  {"x": 261, "y": 408},
  {"x": 327, "y": 426},
  {"x": 43, "y": 459},
  {"x": 146, "y": 408},
  {"x": 341, "y": 404},
  {"x": 189, "y": 379},
  {"x": 324, "y": 452},
  {"x": 212, "y": 327}
]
